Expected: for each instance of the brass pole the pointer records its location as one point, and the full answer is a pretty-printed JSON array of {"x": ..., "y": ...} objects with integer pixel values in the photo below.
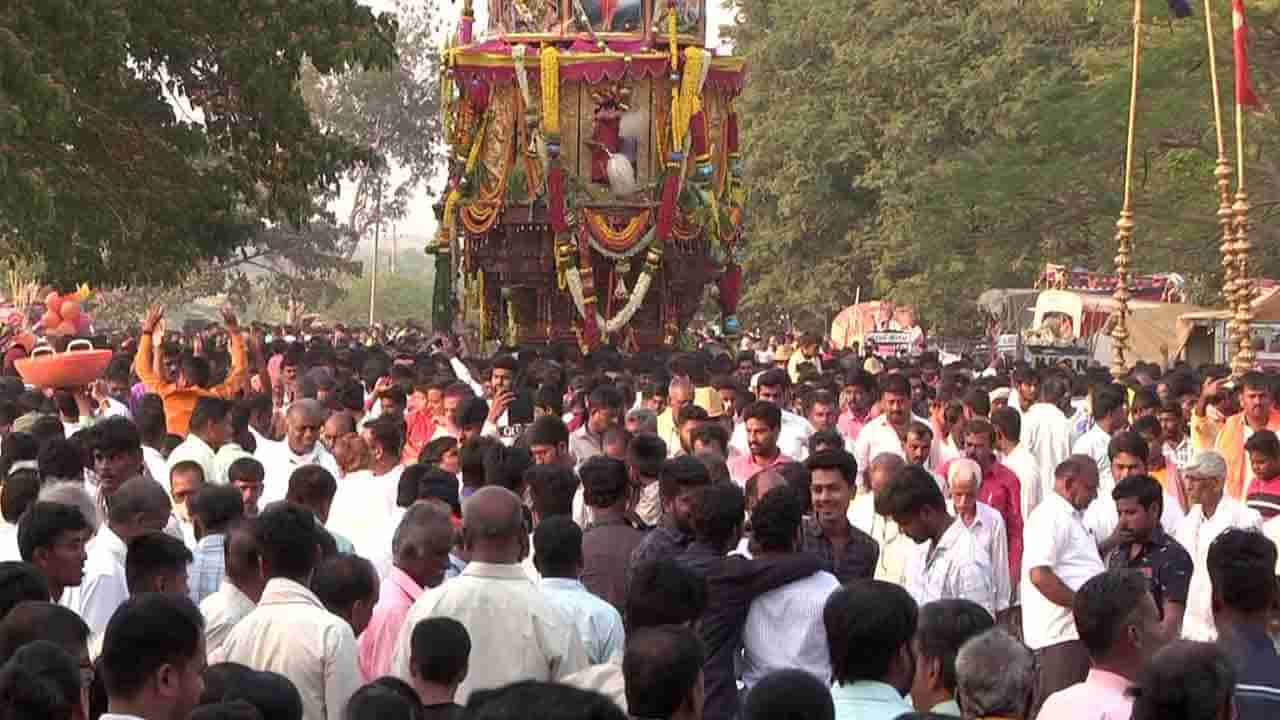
[
  {"x": 1125, "y": 225},
  {"x": 1244, "y": 289},
  {"x": 1222, "y": 172}
]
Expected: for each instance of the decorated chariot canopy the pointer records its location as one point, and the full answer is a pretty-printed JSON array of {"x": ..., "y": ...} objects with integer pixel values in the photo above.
[{"x": 595, "y": 186}]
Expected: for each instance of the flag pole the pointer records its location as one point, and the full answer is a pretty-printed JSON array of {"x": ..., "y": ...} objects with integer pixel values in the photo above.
[
  {"x": 1222, "y": 172},
  {"x": 1125, "y": 225}
]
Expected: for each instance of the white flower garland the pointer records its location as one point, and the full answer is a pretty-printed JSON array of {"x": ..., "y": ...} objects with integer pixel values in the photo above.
[{"x": 574, "y": 280}]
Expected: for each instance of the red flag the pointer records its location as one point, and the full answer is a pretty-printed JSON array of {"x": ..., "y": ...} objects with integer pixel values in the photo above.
[{"x": 1240, "y": 38}]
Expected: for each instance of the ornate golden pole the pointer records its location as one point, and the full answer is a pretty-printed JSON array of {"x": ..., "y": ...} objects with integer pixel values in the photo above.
[
  {"x": 1124, "y": 226},
  {"x": 1243, "y": 361},
  {"x": 1222, "y": 172}
]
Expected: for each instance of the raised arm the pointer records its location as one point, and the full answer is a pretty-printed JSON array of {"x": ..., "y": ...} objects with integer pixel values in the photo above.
[
  {"x": 239, "y": 358},
  {"x": 143, "y": 360}
]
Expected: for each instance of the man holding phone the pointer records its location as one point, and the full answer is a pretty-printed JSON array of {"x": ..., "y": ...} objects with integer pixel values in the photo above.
[{"x": 510, "y": 411}]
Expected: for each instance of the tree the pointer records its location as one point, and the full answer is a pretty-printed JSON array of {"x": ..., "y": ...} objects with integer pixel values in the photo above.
[
  {"x": 402, "y": 295},
  {"x": 286, "y": 270},
  {"x": 394, "y": 112},
  {"x": 927, "y": 151},
  {"x": 105, "y": 180}
]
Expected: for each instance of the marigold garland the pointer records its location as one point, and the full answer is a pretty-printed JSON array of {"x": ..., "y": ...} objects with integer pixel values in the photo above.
[
  {"x": 451, "y": 206},
  {"x": 478, "y": 219},
  {"x": 474, "y": 155},
  {"x": 616, "y": 240},
  {"x": 676, "y": 138},
  {"x": 551, "y": 90},
  {"x": 689, "y": 102}
]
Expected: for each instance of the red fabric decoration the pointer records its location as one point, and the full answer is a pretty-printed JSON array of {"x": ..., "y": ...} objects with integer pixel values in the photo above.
[
  {"x": 731, "y": 133},
  {"x": 555, "y": 199},
  {"x": 667, "y": 211},
  {"x": 698, "y": 135},
  {"x": 730, "y": 285},
  {"x": 478, "y": 95}
]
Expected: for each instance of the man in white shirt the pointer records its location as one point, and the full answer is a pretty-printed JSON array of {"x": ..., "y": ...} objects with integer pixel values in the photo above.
[
  {"x": 52, "y": 537},
  {"x": 888, "y": 431},
  {"x": 1015, "y": 456},
  {"x": 150, "y": 421},
  {"x": 1046, "y": 433},
  {"x": 784, "y": 627},
  {"x": 1213, "y": 512},
  {"x": 210, "y": 429},
  {"x": 1059, "y": 557},
  {"x": 985, "y": 524},
  {"x": 947, "y": 562},
  {"x": 138, "y": 507},
  {"x": 1127, "y": 454},
  {"x": 895, "y": 547},
  {"x": 291, "y": 632},
  {"x": 301, "y": 447},
  {"x": 164, "y": 682},
  {"x": 241, "y": 587},
  {"x": 512, "y": 624},
  {"x": 557, "y": 545},
  {"x": 363, "y": 506},
  {"x": 793, "y": 437},
  {"x": 19, "y": 492},
  {"x": 1111, "y": 415}
]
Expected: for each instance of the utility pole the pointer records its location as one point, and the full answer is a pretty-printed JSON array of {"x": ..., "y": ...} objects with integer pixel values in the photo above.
[
  {"x": 373, "y": 277},
  {"x": 395, "y": 245}
]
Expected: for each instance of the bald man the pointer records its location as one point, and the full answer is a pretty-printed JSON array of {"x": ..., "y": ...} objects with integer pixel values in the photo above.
[
  {"x": 302, "y": 446},
  {"x": 140, "y": 506},
  {"x": 520, "y": 635}
]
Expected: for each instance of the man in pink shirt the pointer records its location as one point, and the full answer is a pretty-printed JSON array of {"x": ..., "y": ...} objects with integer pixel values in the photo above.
[
  {"x": 763, "y": 422},
  {"x": 1118, "y": 622},
  {"x": 420, "y": 556},
  {"x": 861, "y": 389}
]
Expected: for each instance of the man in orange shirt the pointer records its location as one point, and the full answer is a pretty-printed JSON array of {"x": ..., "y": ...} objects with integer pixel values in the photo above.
[
  {"x": 1258, "y": 412},
  {"x": 192, "y": 382}
]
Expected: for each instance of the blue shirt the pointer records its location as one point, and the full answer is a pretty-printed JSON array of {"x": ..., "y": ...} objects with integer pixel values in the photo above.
[
  {"x": 208, "y": 565},
  {"x": 599, "y": 623},
  {"x": 868, "y": 700}
]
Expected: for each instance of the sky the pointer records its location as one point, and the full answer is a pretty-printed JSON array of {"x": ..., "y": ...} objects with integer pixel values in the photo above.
[{"x": 421, "y": 220}]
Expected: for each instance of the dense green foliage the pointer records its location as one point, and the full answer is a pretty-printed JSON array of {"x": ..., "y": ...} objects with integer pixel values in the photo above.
[
  {"x": 108, "y": 180},
  {"x": 926, "y": 151}
]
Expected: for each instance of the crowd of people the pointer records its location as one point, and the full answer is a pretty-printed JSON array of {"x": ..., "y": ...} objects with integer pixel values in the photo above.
[{"x": 297, "y": 525}]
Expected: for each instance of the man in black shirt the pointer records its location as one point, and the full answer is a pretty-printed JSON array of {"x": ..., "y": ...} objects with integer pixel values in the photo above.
[
  {"x": 847, "y": 552},
  {"x": 1242, "y": 567},
  {"x": 679, "y": 482},
  {"x": 733, "y": 582},
  {"x": 1147, "y": 548},
  {"x": 438, "y": 657}
]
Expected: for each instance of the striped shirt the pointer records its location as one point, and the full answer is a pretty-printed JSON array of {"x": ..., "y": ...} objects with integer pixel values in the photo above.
[
  {"x": 989, "y": 530},
  {"x": 208, "y": 565},
  {"x": 784, "y": 629},
  {"x": 955, "y": 566}
]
